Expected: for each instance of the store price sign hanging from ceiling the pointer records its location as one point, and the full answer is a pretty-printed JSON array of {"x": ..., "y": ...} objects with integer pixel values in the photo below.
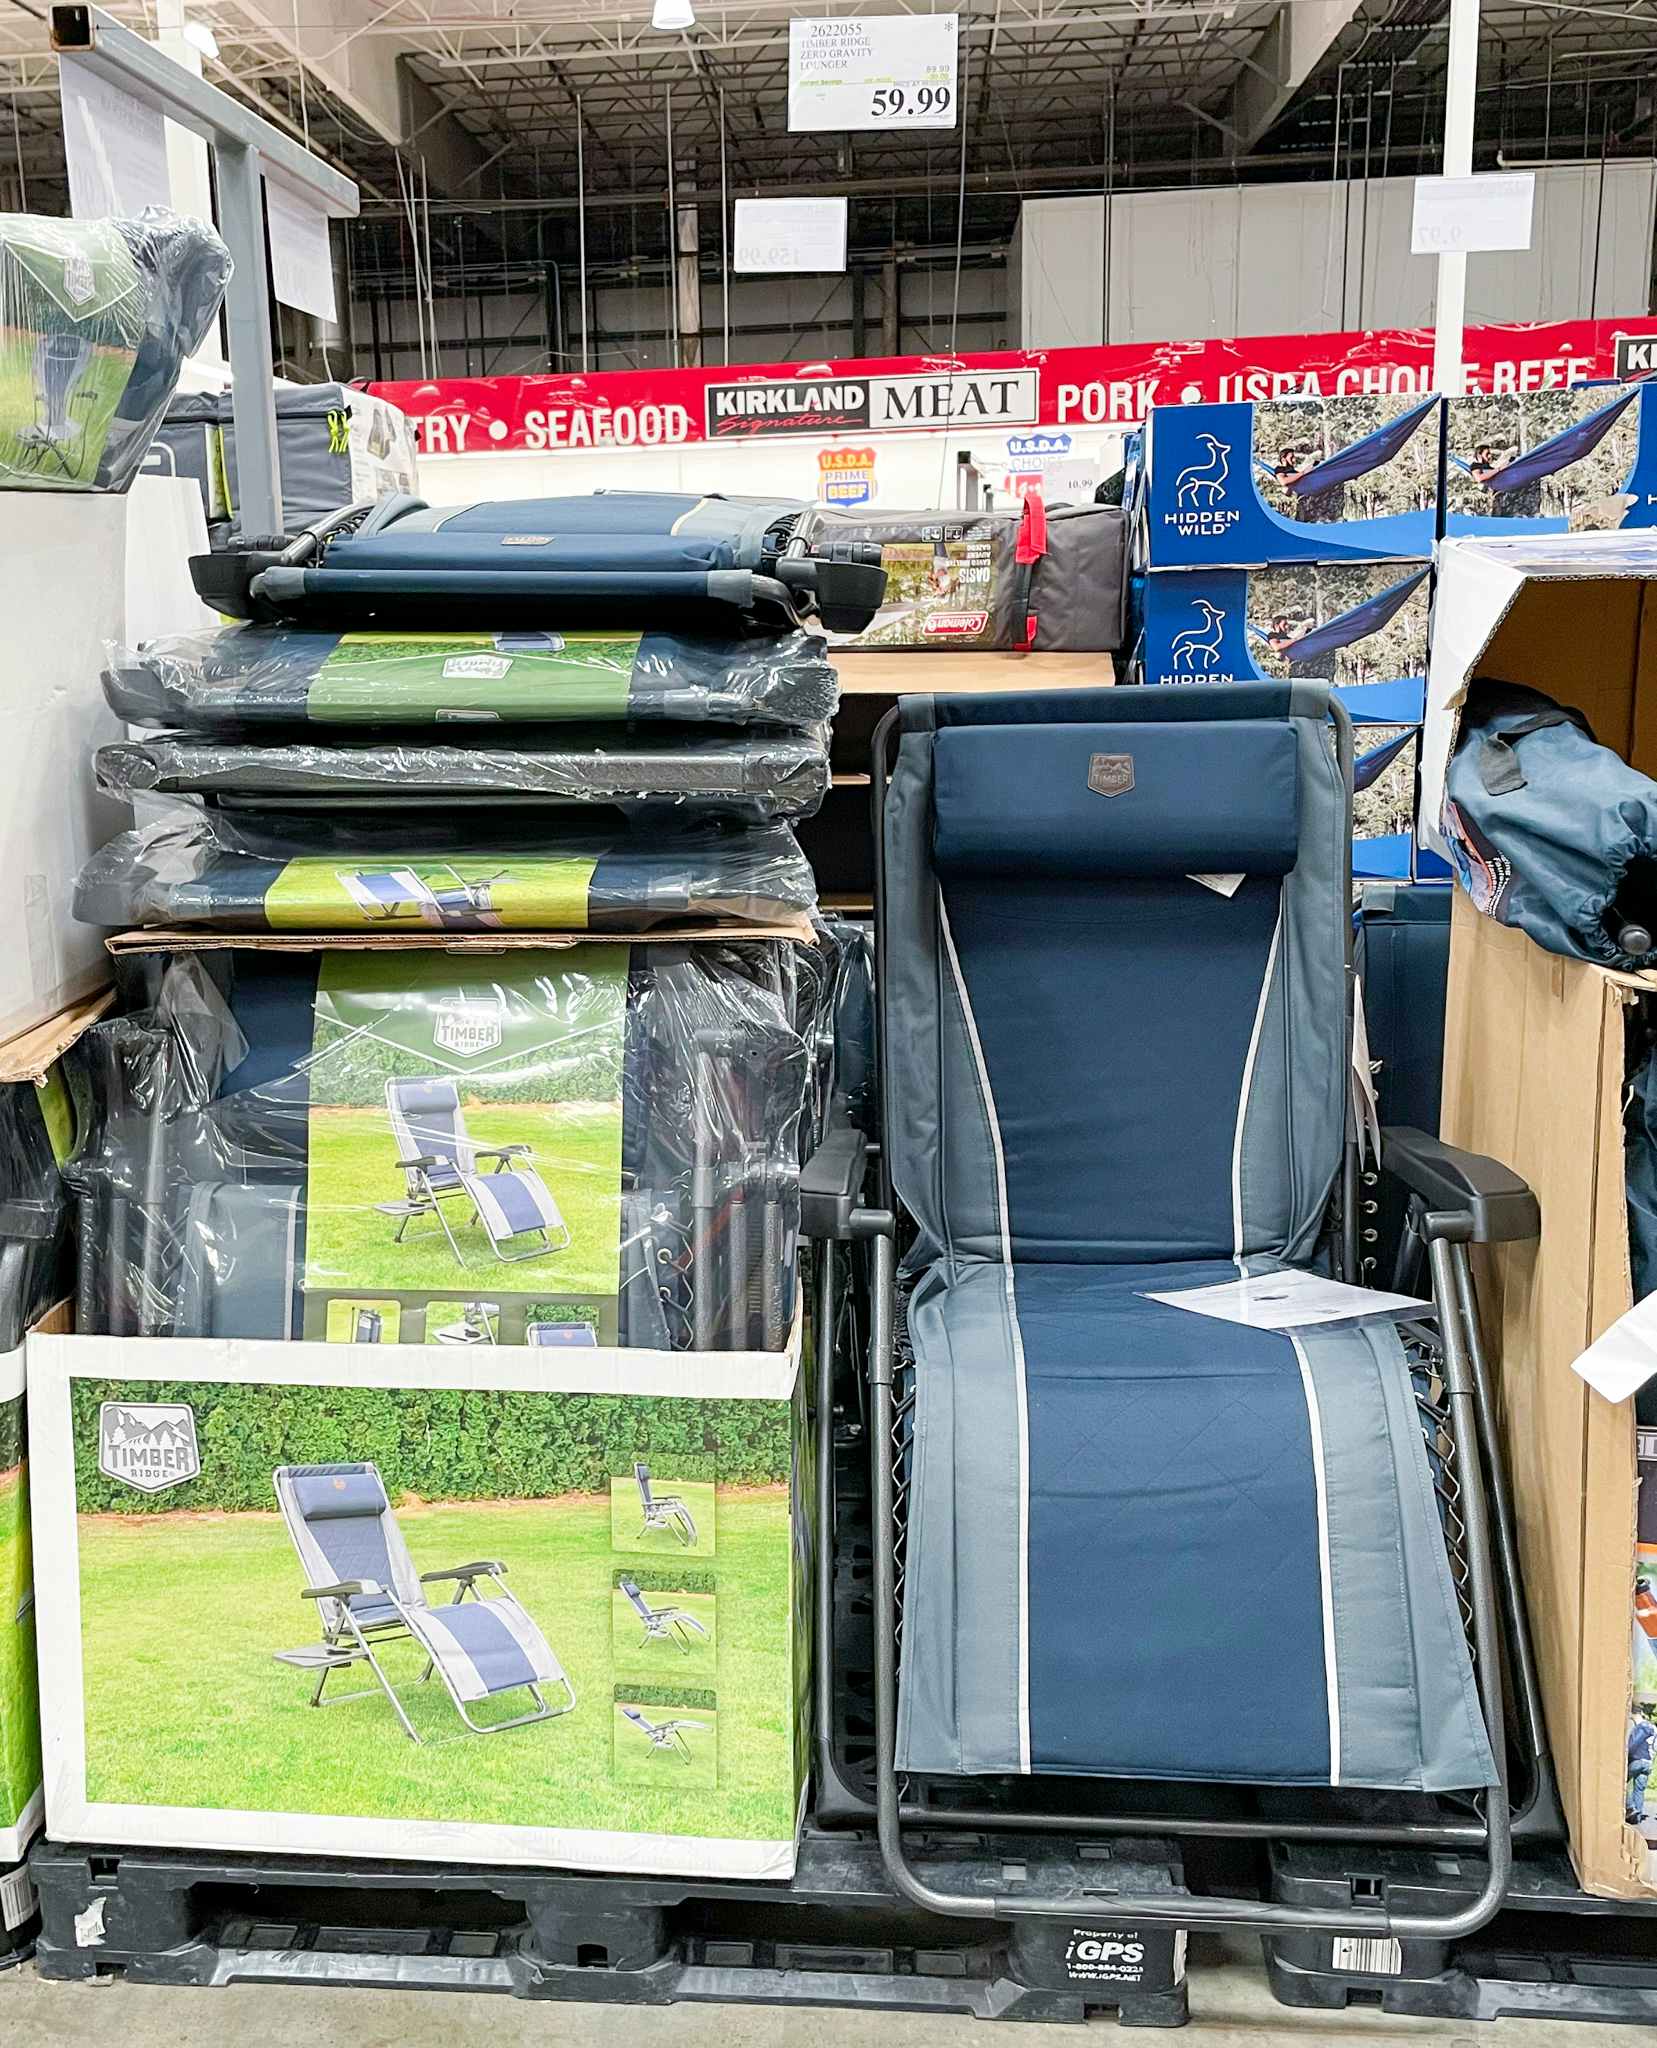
[{"x": 873, "y": 71}]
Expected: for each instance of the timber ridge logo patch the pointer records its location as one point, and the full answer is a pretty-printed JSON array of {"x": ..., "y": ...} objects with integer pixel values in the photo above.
[
  {"x": 78, "y": 281},
  {"x": 467, "y": 1025},
  {"x": 1110, "y": 774},
  {"x": 488, "y": 668},
  {"x": 148, "y": 1445}
]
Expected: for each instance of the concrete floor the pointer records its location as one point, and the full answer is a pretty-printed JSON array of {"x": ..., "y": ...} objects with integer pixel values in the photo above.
[{"x": 1230, "y": 2008}]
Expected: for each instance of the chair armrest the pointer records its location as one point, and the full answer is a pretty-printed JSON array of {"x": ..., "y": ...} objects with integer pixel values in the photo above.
[
  {"x": 347, "y": 1589},
  {"x": 831, "y": 1183},
  {"x": 1502, "y": 1208},
  {"x": 461, "y": 1571},
  {"x": 500, "y": 1152},
  {"x": 425, "y": 1161}
]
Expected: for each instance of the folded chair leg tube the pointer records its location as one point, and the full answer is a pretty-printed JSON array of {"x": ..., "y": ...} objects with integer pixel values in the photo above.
[
  {"x": 1506, "y": 1543},
  {"x": 1185, "y": 1911}
]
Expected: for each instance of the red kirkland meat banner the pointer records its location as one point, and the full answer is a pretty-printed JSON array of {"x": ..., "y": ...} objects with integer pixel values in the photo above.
[{"x": 1009, "y": 389}]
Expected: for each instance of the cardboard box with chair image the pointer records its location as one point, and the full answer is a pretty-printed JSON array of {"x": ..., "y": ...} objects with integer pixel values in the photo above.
[{"x": 512, "y": 1606}]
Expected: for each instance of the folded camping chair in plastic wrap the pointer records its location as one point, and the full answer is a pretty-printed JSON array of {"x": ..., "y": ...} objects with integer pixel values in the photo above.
[
  {"x": 246, "y": 677},
  {"x": 666, "y": 1738},
  {"x": 191, "y": 1180},
  {"x": 1550, "y": 831},
  {"x": 358, "y": 1571},
  {"x": 663, "y": 1511},
  {"x": 1114, "y": 1008},
  {"x": 755, "y": 779},
  {"x": 662, "y": 1624},
  {"x": 243, "y": 870},
  {"x": 512, "y": 1202},
  {"x": 652, "y": 557}
]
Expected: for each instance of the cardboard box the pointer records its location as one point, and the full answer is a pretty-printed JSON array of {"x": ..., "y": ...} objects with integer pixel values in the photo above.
[
  {"x": 1572, "y": 615},
  {"x": 179, "y": 1656},
  {"x": 1291, "y": 480},
  {"x": 22, "y": 1803},
  {"x": 1534, "y": 1059},
  {"x": 1579, "y": 460},
  {"x": 1359, "y": 626}
]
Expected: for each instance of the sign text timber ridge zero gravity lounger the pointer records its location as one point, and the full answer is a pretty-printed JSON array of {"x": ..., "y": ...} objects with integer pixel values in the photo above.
[
  {"x": 1253, "y": 1507},
  {"x": 657, "y": 555},
  {"x": 367, "y": 1593},
  {"x": 253, "y": 676}
]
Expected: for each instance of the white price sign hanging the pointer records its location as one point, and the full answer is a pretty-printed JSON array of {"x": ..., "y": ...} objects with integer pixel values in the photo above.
[
  {"x": 115, "y": 147},
  {"x": 1461, "y": 216},
  {"x": 301, "y": 265},
  {"x": 790, "y": 234},
  {"x": 873, "y": 71}
]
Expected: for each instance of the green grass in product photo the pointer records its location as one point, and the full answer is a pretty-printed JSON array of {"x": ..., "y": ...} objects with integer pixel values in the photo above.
[{"x": 19, "y": 1713}]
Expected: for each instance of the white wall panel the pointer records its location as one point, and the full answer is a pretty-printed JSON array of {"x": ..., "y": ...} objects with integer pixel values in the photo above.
[{"x": 1313, "y": 258}]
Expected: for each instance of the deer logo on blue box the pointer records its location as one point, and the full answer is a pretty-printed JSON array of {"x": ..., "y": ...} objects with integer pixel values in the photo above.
[{"x": 1305, "y": 480}]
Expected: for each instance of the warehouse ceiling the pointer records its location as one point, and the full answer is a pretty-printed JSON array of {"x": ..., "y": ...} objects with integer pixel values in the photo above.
[{"x": 486, "y": 106}]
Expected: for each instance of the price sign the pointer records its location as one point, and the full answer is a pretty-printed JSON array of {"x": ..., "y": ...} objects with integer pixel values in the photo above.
[
  {"x": 790, "y": 235},
  {"x": 873, "y": 71},
  {"x": 1460, "y": 216}
]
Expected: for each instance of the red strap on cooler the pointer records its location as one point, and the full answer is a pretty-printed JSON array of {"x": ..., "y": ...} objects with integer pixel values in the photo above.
[{"x": 1030, "y": 547}]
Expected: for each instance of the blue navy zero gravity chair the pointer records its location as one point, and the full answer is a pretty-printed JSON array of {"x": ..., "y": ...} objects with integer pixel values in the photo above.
[
  {"x": 367, "y": 1593},
  {"x": 1135, "y": 1542}
]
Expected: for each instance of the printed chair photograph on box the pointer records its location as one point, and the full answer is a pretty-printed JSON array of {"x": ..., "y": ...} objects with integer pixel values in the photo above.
[
  {"x": 359, "y": 1573},
  {"x": 663, "y": 1510},
  {"x": 438, "y": 1159},
  {"x": 1299, "y": 1538},
  {"x": 661, "y": 1624},
  {"x": 667, "y": 1738}
]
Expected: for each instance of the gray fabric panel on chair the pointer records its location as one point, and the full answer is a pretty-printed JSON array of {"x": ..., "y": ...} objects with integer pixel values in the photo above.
[
  {"x": 1289, "y": 1162},
  {"x": 1409, "y": 1709},
  {"x": 960, "y": 1702}
]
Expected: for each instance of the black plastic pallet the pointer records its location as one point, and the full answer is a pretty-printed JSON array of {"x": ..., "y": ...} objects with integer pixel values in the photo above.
[
  {"x": 835, "y": 1935},
  {"x": 1552, "y": 1952}
]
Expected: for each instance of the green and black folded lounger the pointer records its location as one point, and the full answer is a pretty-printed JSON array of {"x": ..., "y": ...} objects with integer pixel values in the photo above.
[
  {"x": 195, "y": 868},
  {"x": 252, "y": 677},
  {"x": 612, "y": 557},
  {"x": 757, "y": 778},
  {"x": 604, "y": 1133}
]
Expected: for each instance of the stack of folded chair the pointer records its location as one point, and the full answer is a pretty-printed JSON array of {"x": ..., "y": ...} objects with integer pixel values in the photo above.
[{"x": 381, "y": 1138}]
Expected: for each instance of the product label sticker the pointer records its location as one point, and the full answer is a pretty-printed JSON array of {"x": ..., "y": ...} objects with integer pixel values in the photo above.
[
  {"x": 17, "y": 1898},
  {"x": 464, "y": 1176},
  {"x": 460, "y": 895},
  {"x": 516, "y": 675}
]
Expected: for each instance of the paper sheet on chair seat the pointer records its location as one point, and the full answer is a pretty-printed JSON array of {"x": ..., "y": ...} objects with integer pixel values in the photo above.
[{"x": 1288, "y": 1301}]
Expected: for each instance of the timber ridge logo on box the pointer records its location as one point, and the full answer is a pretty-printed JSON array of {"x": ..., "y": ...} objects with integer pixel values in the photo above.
[
  {"x": 488, "y": 668},
  {"x": 467, "y": 1025},
  {"x": 78, "y": 281},
  {"x": 148, "y": 1445}
]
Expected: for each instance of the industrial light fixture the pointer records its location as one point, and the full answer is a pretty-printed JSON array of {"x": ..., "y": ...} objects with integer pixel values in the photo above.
[
  {"x": 673, "y": 14},
  {"x": 200, "y": 37}
]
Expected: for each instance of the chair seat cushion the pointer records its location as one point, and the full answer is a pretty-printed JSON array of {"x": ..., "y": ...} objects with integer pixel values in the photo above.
[
  {"x": 485, "y": 1646},
  {"x": 1152, "y": 1544}
]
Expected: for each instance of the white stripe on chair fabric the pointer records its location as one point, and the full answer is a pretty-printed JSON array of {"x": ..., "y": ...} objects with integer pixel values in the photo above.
[
  {"x": 1326, "y": 1580},
  {"x": 1023, "y": 1403},
  {"x": 1247, "y": 1084}
]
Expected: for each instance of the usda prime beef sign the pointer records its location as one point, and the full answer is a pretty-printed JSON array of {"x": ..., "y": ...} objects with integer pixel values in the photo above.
[{"x": 744, "y": 409}]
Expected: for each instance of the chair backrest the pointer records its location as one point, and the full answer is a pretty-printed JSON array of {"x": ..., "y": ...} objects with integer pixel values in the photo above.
[
  {"x": 427, "y": 1121},
  {"x": 1114, "y": 990},
  {"x": 641, "y": 1474},
  {"x": 342, "y": 1527},
  {"x": 630, "y": 1588}
]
